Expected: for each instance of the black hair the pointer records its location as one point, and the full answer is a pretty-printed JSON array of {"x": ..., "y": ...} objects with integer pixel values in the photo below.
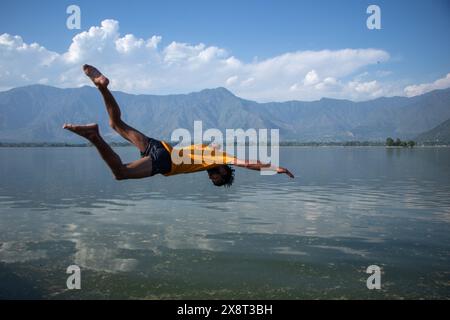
[{"x": 227, "y": 179}]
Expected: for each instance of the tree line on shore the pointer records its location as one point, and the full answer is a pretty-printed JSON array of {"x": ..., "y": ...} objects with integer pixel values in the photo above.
[
  {"x": 399, "y": 143},
  {"x": 388, "y": 143}
]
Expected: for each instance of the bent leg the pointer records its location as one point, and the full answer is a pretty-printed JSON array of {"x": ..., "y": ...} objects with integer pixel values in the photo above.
[
  {"x": 115, "y": 121},
  {"x": 127, "y": 132},
  {"x": 141, "y": 168},
  {"x": 138, "y": 169}
]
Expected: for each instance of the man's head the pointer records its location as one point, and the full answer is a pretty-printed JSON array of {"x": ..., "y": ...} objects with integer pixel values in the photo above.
[{"x": 222, "y": 175}]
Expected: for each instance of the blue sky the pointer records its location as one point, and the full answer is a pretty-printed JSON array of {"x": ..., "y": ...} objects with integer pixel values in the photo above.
[{"x": 414, "y": 34}]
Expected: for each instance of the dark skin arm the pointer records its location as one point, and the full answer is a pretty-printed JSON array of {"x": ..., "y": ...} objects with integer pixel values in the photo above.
[
  {"x": 257, "y": 165},
  {"x": 254, "y": 165}
]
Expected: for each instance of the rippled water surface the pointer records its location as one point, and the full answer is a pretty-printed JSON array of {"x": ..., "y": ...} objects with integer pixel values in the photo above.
[{"x": 266, "y": 237}]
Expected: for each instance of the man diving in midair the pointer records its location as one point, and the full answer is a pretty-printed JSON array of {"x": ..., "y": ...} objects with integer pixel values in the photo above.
[{"x": 155, "y": 155}]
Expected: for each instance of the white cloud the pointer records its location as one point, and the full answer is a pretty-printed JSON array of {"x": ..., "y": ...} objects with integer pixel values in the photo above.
[
  {"x": 311, "y": 78},
  {"x": 328, "y": 82},
  {"x": 97, "y": 41},
  {"x": 129, "y": 43},
  {"x": 139, "y": 65},
  {"x": 247, "y": 82},
  {"x": 231, "y": 80},
  {"x": 364, "y": 87},
  {"x": 415, "y": 90}
]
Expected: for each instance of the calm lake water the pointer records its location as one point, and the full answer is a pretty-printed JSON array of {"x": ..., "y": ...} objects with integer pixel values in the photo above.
[{"x": 266, "y": 237}]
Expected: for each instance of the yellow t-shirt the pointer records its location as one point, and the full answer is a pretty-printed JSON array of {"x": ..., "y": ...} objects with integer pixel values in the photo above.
[{"x": 196, "y": 157}]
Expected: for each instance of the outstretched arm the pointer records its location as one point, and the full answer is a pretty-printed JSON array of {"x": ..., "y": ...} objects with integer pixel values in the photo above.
[
  {"x": 252, "y": 165},
  {"x": 257, "y": 165}
]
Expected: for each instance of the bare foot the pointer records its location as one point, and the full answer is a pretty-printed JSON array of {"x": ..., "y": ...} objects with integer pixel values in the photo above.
[
  {"x": 96, "y": 76},
  {"x": 88, "y": 131}
]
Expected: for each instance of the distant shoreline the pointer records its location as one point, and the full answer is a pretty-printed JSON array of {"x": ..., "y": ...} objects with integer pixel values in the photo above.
[{"x": 282, "y": 144}]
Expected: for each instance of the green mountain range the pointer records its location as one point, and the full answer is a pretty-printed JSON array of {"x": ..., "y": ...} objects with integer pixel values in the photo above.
[
  {"x": 439, "y": 134},
  {"x": 36, "y": 113}
]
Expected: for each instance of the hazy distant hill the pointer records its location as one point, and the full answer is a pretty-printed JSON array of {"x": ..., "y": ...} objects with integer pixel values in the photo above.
[
  {"x": 36, "y": 113},
  {"x": 439, "y": 134}
]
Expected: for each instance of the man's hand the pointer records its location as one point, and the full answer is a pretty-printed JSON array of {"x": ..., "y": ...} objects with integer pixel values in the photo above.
[
  {"x": 257, "y": 165},
  {"x": 286, "y": 171}
]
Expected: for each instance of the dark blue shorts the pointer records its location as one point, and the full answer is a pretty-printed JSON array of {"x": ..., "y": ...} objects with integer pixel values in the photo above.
[{"x": 161, "y": 162}]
